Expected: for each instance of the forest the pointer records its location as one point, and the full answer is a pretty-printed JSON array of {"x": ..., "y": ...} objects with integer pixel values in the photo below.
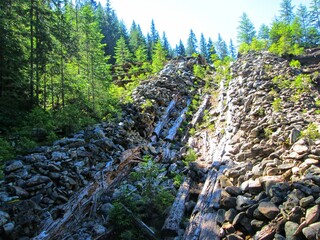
[{"x": 69, "y": 64}]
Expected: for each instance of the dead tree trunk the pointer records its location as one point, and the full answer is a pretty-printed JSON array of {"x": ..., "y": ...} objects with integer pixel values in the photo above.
[
  {"x": 172, "y": 223},
  {"x": 173, "y": 130},
  {"x": 202, "y": 224},
  {"x": 200, "y": 111},
  {"x": 164, "y": 118}
]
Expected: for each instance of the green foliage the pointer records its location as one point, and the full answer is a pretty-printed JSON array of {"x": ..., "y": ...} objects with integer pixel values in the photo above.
[
  {"x": 177, "y": 180},
  {"x": 192, "y": 131},
  {"x": 295, "y": 63},
  {"x": 281, "y": 82},
  {"x": 146, "y": 105},
  {"x": 312, "y": 131},
  {"x": 199, "y": 71},
  {"x": 276, "y": 104},
  {"x": 268, "y": 132},
  {"x": 145, "y": 195},
  {"x": 256, "y": 45},
  {"x": 158, "y": 57},
  {"x": 6, "y": 152},
  {"x": 223, "y": 71},
  {"x": 191, "y": 156}
]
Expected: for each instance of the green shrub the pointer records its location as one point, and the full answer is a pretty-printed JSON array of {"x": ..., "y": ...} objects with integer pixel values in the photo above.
[
  {"x": 311, "y": 131},
  {"x": 276, "y": 104},
  {"x": 199, "y": 71},
  {"x": 191, "y": 156},
  {"x": 295, "y": 63}
]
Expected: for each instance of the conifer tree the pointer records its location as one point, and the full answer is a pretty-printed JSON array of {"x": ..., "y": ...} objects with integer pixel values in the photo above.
[
  {"x": 136, "y": 38},
  {"x": 211, "y": 50},
  {"x": 221, "y": 47},
  {"x": 232, "y": 50},
  {"x": 191, "y": 44},
  {"x": 263, "y": 32},
  {"x": 203, "y": 47},
  {"x": 158, "y": 57},
  {"x": 315, "y": 14},
  {"x": 165, "y": 43},
  {"x": 180, "y": 49},
  {"x": 286, "y": 11},
  {"x": 123, "y": 57},
  {"x": 246, "y": 30}
]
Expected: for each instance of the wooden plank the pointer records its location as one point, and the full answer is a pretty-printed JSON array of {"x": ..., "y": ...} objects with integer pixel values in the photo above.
[{"x": 172, "y": 222}]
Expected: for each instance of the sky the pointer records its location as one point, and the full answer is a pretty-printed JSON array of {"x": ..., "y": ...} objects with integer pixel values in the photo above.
[{"x": 210, "y": 17}]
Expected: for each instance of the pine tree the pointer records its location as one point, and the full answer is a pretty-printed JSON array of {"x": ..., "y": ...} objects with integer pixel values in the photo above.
[
  {"x": 166, "y": 44},
  {"x": 221, "y": 47},
  {"x": 158, "y": 57},
  {"x": 315, "y": 14},
  {"x": 180, "y": 49},
  {"x": 305, "y": 23},
  {"x": 211, "y": 50},
  {"x": 123, "y": 57},
  {"x": 191, "y": 44},
  {"x": 263, "y": 33},
  {"x": 203, "y": 47},
  {"x": 232, "y": 50},
  {"x": 246, "y": 30},
  {"x": 136, "y": 38},
  {"x": 286, "y": 11}
]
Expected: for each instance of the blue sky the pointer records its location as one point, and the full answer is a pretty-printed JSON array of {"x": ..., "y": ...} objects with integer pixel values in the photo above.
[{"x": 210, "y": 17}]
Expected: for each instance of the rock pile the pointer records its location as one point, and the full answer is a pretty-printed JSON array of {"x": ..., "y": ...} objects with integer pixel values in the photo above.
[{"x": 268, "y": 174}]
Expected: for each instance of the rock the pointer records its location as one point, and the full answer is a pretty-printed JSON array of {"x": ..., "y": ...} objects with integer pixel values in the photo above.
[
  {"x": 312, "y": 232},
  {"x": 4, "y": 218},
  {"x": 268, "y": 209},
  {"x": 234, "y": 237},
  {"x": 8, "y": 228},
  {"x": 230, "y": 214},
  {"x": 312, "y": 214},
  {"x": 290, "y": 228},
  {"x": 233, "y": 190},
  {"x": 300, "y": 147},
  {"x": 244, "y": 202},
  {"x": 13, "y": 166},
  {"x": 99, "y": 230},
  {"x": 304, "y": 202}
]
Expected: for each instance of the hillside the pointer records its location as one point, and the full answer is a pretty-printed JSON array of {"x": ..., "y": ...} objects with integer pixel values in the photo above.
[{"x": 235, "y": 155}]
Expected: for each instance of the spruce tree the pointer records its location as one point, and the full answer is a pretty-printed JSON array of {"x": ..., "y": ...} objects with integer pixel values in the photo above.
[
  {"x": 315, "y": 14},
  {"x": 232, "y": 50},
  {"x": 203, "y": 47},
  {"x": 221, "y": 47},
  {"x": 180, "y": 49},
  {"x": 263, "y": 32},
  {"x": 246, "y": 30},
  {"x": 286, "y": 11},
  {"x": 191, "y": 44},
  {"x": 158, "y": 57},
  {"x": 123, "y": 57},
  {"x": 165, "y": 44},
  {"x": 211, "y": 50}
]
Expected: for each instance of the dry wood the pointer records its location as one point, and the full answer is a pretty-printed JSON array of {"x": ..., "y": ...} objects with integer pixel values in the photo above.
[
  {"x": 173, "y": 130},
  {"x": 164, "y": 118},
  {"x": 172, "y": 223},
  {"x": 203, "y": 225},
  {"x": 200, "y": 111},
  {"x": 83, "y": 203}
]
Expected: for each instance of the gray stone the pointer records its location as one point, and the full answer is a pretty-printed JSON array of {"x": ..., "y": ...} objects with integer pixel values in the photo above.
[
  {"x": 230, "y": 215},
  {"x": 312, "y": 214},
  {"x": 99, "y": 229},
  {"x": 244, "y": 202},
  {"x": 312, "y": 232},
  {"x": 233, "y": 190},
  {"x": 304, "y": 202},
  {"x": 8, "y": 227},
  {"x": 4, "y": 217},
  {"x": 13, "y": 166},
  {"x": 268, "y": 209},
  {"x": 290, "y": 228}
]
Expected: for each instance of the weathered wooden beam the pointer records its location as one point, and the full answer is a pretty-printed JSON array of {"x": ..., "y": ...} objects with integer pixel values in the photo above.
[
  {"x": 172, "y": 222},
  {"x": 164, "y": 118},
  {"x": 202, "y": 225},
  {"x": 173, "y": 130},
  {"x": 200, "y": 111}
]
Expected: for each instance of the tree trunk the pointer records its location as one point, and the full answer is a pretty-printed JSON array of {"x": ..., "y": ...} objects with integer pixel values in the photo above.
[
  {"x": 31, "y": 84},
  {"x": 200, "y": 111},
  {"x": 164, "y": 118},
  {"x": 172, "y": 224}
]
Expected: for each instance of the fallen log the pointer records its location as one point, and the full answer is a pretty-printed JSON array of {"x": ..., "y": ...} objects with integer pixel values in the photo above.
[
  {"x": 164, "y": 118},
  {"x": 172, "y": 223},
  {"x": 200, "y": 111},
  {"x": 83, "y": 203},
  {"x": 202, "y": 225},
  {"x": 173, "y": 130}
]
